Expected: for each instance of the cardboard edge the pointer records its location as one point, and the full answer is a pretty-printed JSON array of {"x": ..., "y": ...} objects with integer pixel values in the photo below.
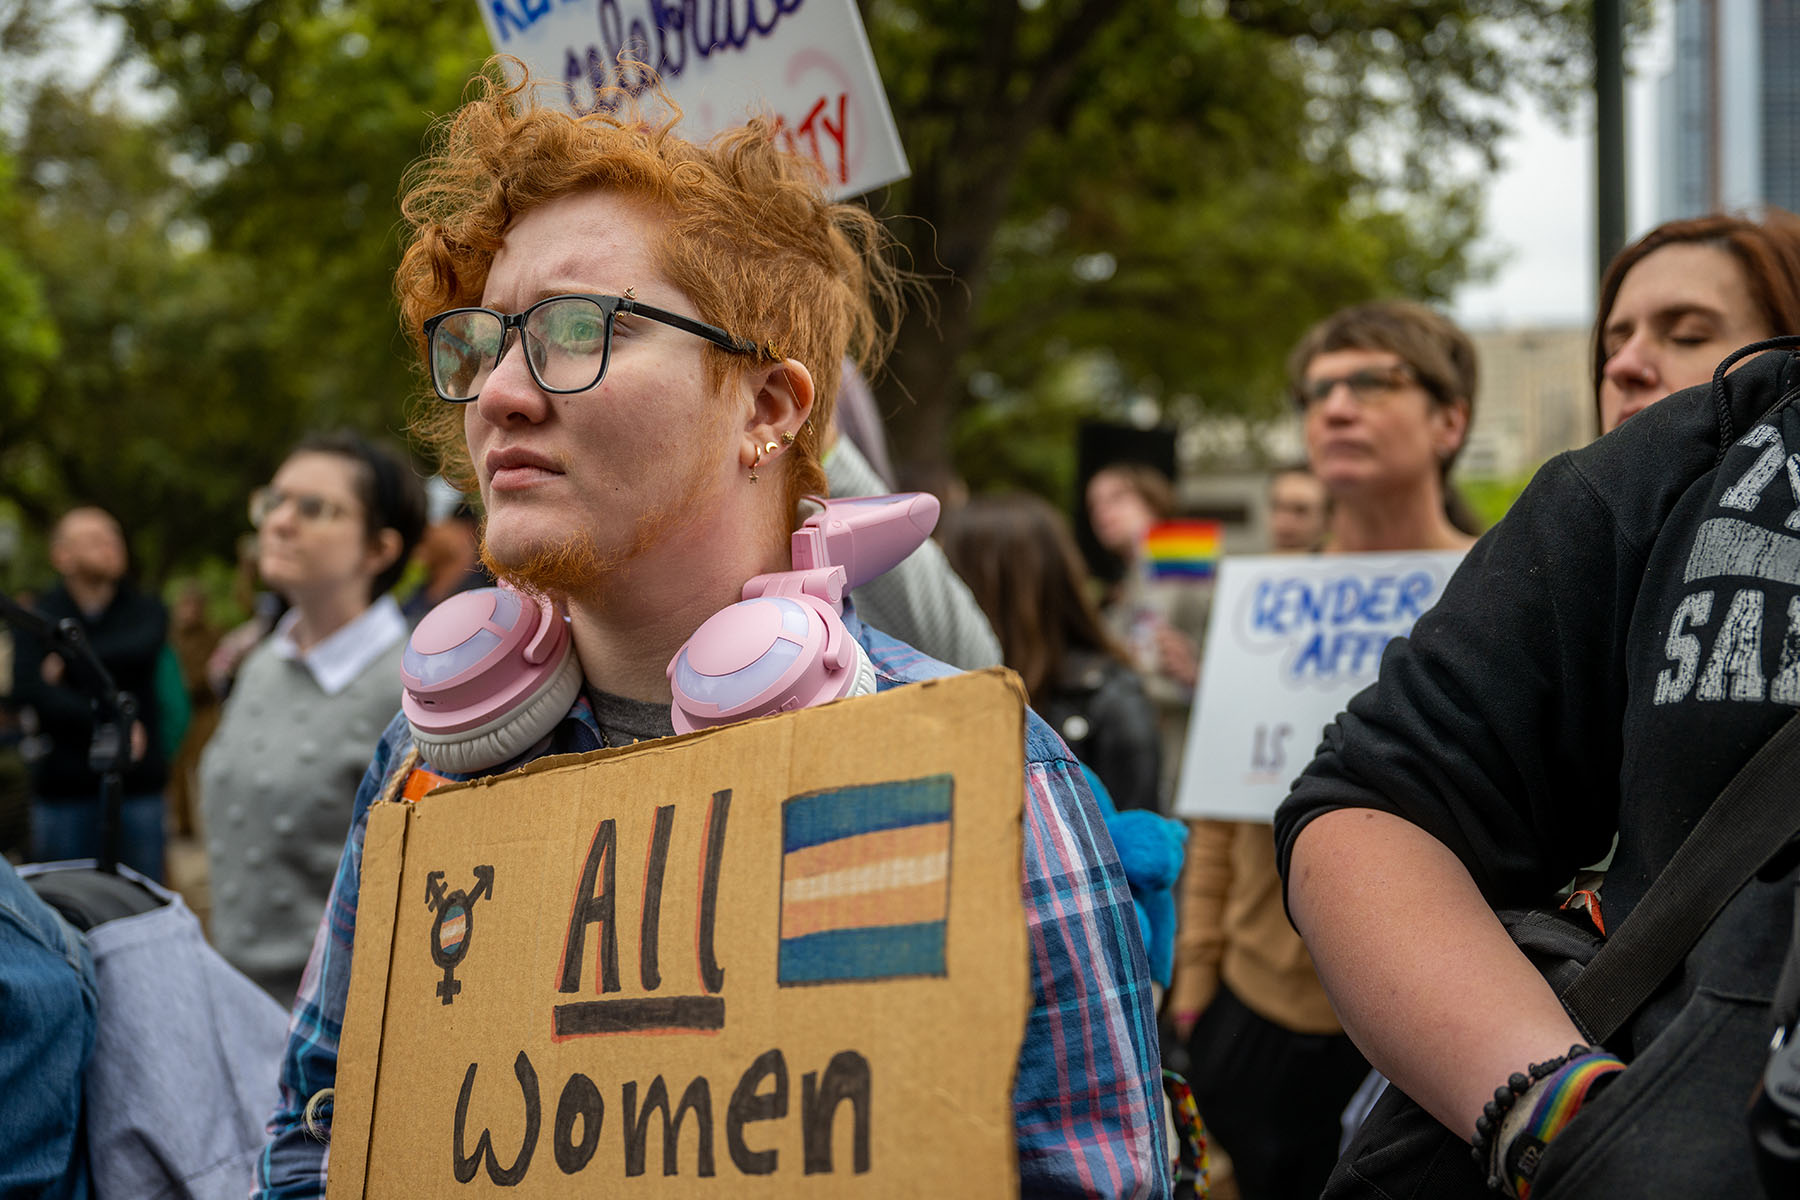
[
  {"x": 998, "y": 686},
  {"x": 359, "y": 1047},
  {"x": 1015, "y": 687}
]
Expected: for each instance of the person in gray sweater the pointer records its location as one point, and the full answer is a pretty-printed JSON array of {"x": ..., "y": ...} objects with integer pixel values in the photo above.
[{"x": 335, "y": 528}]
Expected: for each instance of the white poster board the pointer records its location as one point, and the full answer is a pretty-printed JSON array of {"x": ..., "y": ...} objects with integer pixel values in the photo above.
[
  {"x": 807, "y": 62},
  {"x": 1290, "y": 640}
]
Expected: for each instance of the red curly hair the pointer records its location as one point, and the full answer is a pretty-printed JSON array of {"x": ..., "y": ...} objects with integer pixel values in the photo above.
[{"x": 750, "y": 237}]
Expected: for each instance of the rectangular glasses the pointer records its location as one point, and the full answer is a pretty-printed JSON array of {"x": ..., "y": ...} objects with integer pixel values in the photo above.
[{"x": 568, "y": 340}]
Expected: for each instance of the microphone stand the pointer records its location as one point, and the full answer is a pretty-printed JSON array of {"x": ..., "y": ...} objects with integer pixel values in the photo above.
[{"x": 114, "y": 713}]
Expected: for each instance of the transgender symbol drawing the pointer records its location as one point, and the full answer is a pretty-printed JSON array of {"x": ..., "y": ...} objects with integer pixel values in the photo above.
[{"x": 455, "y": 924}]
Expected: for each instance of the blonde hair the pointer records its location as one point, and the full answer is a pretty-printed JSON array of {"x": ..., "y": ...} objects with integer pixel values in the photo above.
[{"x": 749, "y": 236}]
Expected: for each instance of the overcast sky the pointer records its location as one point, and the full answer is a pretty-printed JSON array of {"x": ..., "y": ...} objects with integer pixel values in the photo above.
[{"x": 1540, "y": 210}]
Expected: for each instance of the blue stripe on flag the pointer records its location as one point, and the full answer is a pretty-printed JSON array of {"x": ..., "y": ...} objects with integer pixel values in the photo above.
[
  {"x": 820, "y": 817},
  {"x": 849, "y": 954},
  {"x": 1182, "y": 570}
]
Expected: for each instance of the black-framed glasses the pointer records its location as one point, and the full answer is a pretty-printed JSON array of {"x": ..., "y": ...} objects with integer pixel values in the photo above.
[
  {"x": 568, "y": 340},
  {"x": 312, "y": 507},
  {"x": 1371, "y": 385}
]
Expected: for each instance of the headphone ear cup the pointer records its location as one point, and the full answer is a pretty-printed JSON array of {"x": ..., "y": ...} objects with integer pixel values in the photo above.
[
  {"x": 765, "y": 655},
  {"x": 510, "y": 734},
  {"x": 865, "y": 671}
]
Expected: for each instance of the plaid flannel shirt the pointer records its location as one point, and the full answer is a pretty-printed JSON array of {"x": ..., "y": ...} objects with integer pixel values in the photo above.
[{"x": 1087, "y": 1100}]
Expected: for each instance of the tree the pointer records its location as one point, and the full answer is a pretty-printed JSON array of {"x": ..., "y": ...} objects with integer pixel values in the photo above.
[
  {"x": 214, "y": 256},
  {"x": 149, "y": 408},
  {"x": 28, "y": 342},
  {"x": 305, "y": 114},
  {"x": 1179, "y": 189}
]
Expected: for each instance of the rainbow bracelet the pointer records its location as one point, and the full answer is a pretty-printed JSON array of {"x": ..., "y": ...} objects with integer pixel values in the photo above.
[{"x": 1550, "y": 1105}]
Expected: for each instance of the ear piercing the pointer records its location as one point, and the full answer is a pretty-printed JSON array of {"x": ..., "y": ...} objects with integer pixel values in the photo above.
[{"x": 766, "y": 448}]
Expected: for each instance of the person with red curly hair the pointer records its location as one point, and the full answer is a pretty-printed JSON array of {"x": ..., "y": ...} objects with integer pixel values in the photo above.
[{"x": 634, "y": 345}]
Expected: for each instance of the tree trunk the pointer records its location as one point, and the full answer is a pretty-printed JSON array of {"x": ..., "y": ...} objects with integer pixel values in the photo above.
[{"x": 958, "y": 201}]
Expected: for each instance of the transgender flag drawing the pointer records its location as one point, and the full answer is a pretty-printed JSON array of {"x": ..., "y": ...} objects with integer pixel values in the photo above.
[{"x": 865, "y": 882}]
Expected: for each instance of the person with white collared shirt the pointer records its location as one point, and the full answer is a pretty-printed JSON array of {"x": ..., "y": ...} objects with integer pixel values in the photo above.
[{"x": 335, "y": 527}]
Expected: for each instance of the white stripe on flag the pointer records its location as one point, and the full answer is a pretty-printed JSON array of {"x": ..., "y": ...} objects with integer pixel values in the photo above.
[{"x": 871, "y": 877}]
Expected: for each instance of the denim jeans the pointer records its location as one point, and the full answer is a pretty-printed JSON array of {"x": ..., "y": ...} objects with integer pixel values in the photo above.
[
  {"x": 48, "y": 996},
  {"x": 65, "y": 829}
]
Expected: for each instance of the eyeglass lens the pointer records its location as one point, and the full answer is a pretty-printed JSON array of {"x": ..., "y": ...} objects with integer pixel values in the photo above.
[
  {"x": 566, "y": 341},
  {"x": 1371, "y": 383},
  {"x": 312, "y": 508}
]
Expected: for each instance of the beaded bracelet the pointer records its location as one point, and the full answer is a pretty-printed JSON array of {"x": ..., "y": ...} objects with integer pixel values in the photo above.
[
  {"x": 1487, "y": 1125},
  {"x": 1547, "y": 1109}
]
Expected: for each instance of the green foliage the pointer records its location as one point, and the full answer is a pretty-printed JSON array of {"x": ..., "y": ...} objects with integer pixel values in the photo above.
[
  {"x": 214, "y": 261},
  {"x": 1491, "y": 498},
  {"x": 1182, "y": 187},
  {"x": 28, "y": 341},
  {"x": 309, "y": 112}
]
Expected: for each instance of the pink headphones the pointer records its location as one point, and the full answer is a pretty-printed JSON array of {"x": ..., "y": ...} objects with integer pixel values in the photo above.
[
  {"x": 490, "y": 672},
  {"x": 485, "y": 675},
  {"x": 784, "y": 645}
]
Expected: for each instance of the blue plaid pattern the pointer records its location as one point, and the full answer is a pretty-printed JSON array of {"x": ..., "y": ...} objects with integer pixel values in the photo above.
[{"x": 1087, "y": 1101}]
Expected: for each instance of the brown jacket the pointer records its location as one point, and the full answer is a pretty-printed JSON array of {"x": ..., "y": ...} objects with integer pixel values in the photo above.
[{"x": 1233, "y": 927}]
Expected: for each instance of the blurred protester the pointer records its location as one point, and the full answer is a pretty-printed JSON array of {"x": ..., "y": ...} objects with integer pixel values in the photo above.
[
  {"x": 335, "y": 527},
  {"x": 1161, "y": 622},
  {"x": 1386, "y": 391},
  {"x": 1299, "y": 508},
  {"x": 1124, "y": 500},
  {"x": 450, "y": 552},
  {"x": 642, "y": 447},
  {"x": 1020, "y": 560},
  {"x": 125, "y": 628},
  {"x": 1679, "y": 299}
]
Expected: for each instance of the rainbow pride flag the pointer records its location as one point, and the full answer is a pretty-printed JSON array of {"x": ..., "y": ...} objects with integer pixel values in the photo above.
[
  {"x": 865, "y": 882},
  {"x": 1182, "y": 549}
]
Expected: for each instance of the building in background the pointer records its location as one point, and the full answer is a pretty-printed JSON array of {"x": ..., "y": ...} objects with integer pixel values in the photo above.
[
  {"x": 1729, "y": 108},
  {"x": 1534, "y": 401}
]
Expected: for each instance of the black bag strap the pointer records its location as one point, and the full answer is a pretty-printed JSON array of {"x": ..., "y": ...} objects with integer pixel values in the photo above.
[{"x": 1754, "y": 817}]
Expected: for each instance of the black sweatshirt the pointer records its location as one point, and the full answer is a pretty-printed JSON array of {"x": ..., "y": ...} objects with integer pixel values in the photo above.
[
  {"x": 1606, "y": 658},
  {"x": 1632, "y": 628}
]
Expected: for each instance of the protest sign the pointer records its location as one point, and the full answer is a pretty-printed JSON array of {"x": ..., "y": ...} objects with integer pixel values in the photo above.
[
  {"x": 781, "y": 958},
  {"x": 805, "y": 62},
  {"x": 1291, "y": 638}
]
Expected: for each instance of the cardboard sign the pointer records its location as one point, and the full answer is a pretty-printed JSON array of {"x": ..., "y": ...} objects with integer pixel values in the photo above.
[
  {"x": 1291, "y": 638},
  {"x": 782, "y": 958},
  {"x": 807, "y": 62}
]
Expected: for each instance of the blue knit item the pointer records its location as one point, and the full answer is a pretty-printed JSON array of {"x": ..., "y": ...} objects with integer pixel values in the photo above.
[{"x": 1151, "y": 849}]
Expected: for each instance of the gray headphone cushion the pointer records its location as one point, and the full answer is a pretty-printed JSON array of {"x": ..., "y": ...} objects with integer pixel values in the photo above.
[{"x": 515, "y": 733}]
